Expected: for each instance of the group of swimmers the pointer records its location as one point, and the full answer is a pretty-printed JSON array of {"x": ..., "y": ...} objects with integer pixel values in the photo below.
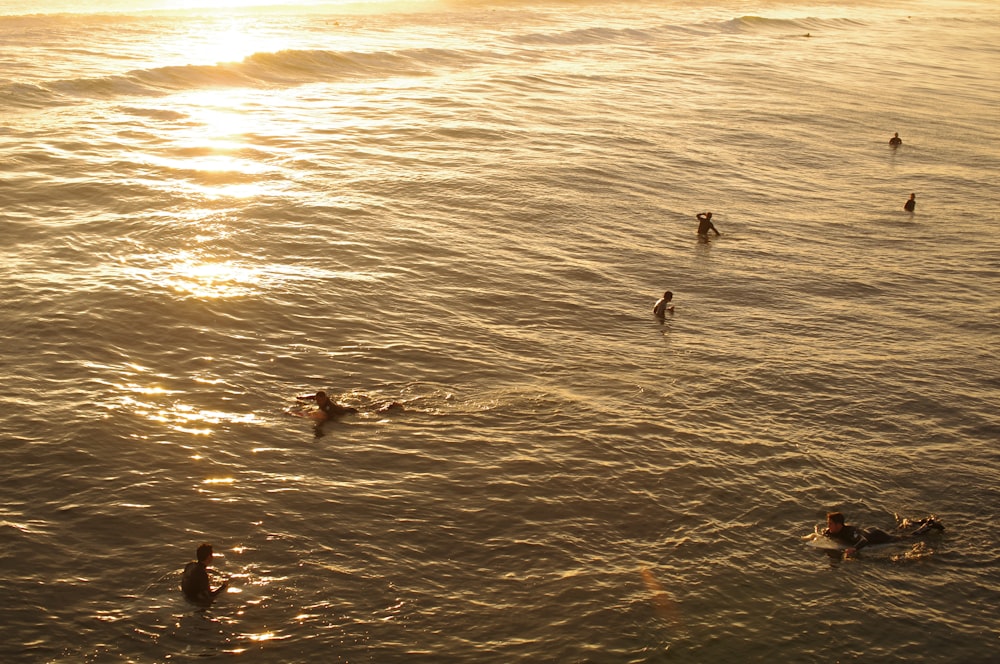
[
  {"x": 195, "y": 582},
  {"x": 911, "y": 204},
  {"x": 836, "y": 529},
  {"x": 663, "y": 306},
  {"x": 197, "y": 588}
]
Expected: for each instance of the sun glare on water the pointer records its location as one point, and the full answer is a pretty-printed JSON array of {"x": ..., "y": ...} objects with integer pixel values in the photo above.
[
  {"x": 232, "y": 41},
  {"x": 209, "y": 279}
]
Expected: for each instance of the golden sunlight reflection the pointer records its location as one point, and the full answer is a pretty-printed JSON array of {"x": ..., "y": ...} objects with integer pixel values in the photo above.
[
  {"x": 264, "y": 636},
  {"x": 186, "y": 419},
  {"x": 193, "y": 275},
  {"x": 212, "y": 280},
  {"x": 144, "y": 389},
  {"x": 218, "y": 151},
  {"x": 200, "y": 275},
  {"x": 181, "y": 417},
  {"x": 217, "y": 163},
  {"x": 233, "y": 44},
  {"x": 221, "y": 116}
]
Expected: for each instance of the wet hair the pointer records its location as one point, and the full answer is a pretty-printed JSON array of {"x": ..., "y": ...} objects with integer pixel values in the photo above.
[
  {"x": 668, "y": 295},
  {"x": 836, "y": 517},
  {"x": 204, "y": 551},
  {"x": 320, "y": 394}
]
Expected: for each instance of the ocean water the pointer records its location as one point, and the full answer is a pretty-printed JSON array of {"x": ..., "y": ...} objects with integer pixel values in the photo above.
[{"x": 470, "y": 208}]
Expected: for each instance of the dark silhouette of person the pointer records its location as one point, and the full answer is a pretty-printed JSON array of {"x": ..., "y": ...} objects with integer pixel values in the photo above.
[
  {"x": 856, "y": 539},
  {"x": 195, "y": 582},
  {"x": 895, "y": 141},
  {"x": 911, "y": 204},
  {"x": 663, "y": 305},
  {"x": 330, "y": 409},
  {"x": 705, "y": 224}
]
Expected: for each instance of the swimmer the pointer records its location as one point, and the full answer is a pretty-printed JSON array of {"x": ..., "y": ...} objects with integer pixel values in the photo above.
[
  {"x": 705, "y": 224},
  {"x": 328, "y": 408},
  {"x": 858, "y": 539},
  {"x": 911, "y": 204},
  {"x": 895, "y": 141},
  {"x": 195, "y": 583},
  {"x": 663, "y": 305}
]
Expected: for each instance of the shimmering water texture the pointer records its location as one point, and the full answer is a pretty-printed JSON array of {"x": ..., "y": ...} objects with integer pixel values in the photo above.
[{"x": 470, "y": 209}]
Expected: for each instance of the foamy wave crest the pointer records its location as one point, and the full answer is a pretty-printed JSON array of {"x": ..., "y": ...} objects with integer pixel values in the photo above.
[
  {"x": 282, "y": 68},
  {"x": 743, "y": 24},
  {"x": 586, "y": 36},
  {"x": 759, "y": 24}
]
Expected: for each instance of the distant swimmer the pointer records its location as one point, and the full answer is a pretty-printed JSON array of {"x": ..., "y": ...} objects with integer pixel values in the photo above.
[
  {"x": 856, "y": 539},
  {"x": 911, "y": 204},
  {"x": 195, "y": 584},
  {"x": 663, "y": 305},
  {"x": 705, "y": 224},
  {"x": 895, "y": 141}
]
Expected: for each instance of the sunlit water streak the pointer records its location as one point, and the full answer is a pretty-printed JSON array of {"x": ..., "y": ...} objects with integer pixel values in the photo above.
[{"x": 470, "y": 210}]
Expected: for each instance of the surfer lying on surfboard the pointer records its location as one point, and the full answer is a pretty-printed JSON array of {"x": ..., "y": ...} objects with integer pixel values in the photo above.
[
  {"x": 330, "y": 409},
  {"x": 853, "y": 539}
]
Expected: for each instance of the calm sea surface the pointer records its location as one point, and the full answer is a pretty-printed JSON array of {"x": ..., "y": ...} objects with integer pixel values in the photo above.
[{"x": 470, "y": 208}]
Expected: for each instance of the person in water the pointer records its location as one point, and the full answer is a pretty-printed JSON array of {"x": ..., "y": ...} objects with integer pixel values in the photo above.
[
  {"x": 195, "y": 584},
  {"x": 911, "y": 204},
  {"x": 895, "y": 141},
  {"x": 856, "y": 539},
  {"x": 663, "y": 305},
  {"x": 705, "y": 224},
  {"x": 330, "y": 409}
]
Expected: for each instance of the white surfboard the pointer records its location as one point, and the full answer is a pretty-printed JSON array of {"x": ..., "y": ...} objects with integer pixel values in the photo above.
[{"x": 823, "y": 542}]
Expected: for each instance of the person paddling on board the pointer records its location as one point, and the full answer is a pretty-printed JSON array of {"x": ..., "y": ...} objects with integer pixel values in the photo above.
[
  {"x": 856, "y": 539},
  {"x": 195, "y": 584},
  {"x": 911, "y": 204},
  {"x": 895, "y": 141},
  {"x": 705, "y": 224},
  {"x": 328, "y": 408},
  {"x": 663, "y": 305}
]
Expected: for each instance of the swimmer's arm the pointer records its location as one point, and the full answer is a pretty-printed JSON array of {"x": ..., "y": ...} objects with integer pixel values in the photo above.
[
  {"x": 212, "y": 594},
  {"x": 859, "y": 544}
]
